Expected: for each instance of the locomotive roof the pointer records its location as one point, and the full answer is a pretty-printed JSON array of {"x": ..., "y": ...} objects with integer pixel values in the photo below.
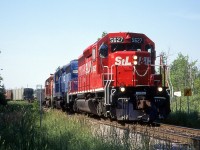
[
  {"x": 28, "y": 89},
  {"x": 124, "y": 34},
  {"x": 88, "y": 50},
  {"x": 50, "y": 78},
  {"x": 63, "y": 68}
]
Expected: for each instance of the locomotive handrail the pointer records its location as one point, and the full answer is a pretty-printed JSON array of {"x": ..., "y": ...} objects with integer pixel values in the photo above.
[
  {"x": 111, "y": 74},
  {"x": 166, "y": 74},
  {"x": 157, "y": 65},
  {"x": 108, "y": 82},
  {"x": 105, "y": 91}
]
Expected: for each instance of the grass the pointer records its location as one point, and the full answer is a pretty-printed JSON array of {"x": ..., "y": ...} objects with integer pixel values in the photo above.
[
  {"x": 20, "y": 129},
  {"x": 18, "y": 126}
]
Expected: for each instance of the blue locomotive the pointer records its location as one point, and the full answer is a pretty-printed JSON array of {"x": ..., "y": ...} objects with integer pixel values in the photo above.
[{"x": 61, "y": 83}]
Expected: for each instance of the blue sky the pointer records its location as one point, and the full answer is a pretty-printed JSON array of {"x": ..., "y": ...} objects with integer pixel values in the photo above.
[{"x": 37, "y": 36}]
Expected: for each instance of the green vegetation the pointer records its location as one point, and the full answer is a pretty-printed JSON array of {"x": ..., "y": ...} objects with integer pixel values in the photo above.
[
  {"x": 185, "y": 74},
  {"x": 17, "y": 127},
  {"x": 2, "y": 93},
  {"x": 191, "y": 120},
  {"x": 185, "y": 110},
  {"x": 20, "y": 129},
  {"x": 180, "y": 116}
]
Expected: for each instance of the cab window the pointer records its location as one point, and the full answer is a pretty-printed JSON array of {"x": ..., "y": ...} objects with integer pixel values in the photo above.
[
  {"x": 126, "y": 47},
  {"x": 149, "y": 48},
  {"x": 93, "y": 54}
]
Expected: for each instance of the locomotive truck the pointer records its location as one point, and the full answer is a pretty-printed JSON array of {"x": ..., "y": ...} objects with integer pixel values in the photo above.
[{"x": 117, "y": 78}]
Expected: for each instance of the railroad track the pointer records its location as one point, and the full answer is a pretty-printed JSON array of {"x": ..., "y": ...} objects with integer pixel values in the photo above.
[
  {"x": 165, "y": 132},
  {"x": 190, "y": 132},
  {"x": 180, "y": 134}
]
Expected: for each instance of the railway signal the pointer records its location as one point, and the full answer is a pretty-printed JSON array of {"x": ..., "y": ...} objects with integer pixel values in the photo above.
[{"x": 188, "y": 92}]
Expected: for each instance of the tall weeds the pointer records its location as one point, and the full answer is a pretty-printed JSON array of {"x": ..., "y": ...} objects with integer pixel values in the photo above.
[{"x": 20, "y": 130}]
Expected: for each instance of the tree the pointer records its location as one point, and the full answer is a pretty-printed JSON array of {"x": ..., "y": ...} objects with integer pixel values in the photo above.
[
  {"x": 104, "y": 33},
  {"x": 184, "y": 74},
  {"x": 196, "y": 81},
  {"x": 2, "y": 94}
]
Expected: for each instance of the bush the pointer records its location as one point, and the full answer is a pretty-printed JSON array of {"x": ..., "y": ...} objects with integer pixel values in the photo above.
[
  {"x": 2, "y": 98},
  {"x": 181, "y": 118}
]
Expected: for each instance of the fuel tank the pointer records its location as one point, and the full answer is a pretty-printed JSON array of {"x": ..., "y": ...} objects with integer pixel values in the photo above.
[{"x": 87, "y": 106}]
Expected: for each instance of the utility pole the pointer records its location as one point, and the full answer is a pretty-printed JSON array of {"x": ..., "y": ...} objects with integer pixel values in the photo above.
[
  {"x": 189, "y": 79},
  {"x": 39, "y": 90}
]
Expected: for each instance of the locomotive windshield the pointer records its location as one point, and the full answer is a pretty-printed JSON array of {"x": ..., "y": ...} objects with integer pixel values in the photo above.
[
  {"x": 125, "y": 46},
  {"x": 149, "y": 48}
]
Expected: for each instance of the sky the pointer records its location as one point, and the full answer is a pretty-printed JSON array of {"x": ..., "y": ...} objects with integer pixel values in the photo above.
[{"x": 38, "y": 36}]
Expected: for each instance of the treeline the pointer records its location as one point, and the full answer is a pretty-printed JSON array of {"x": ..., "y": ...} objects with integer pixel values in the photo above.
[{"x": 185, "y": 74}]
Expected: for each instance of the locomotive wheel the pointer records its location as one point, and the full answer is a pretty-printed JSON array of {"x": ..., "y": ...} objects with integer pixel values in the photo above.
[
  {"x": 63, "y": 106},
  {"x": 99, "y": 109},
  {"x": 75, "y": 109}
]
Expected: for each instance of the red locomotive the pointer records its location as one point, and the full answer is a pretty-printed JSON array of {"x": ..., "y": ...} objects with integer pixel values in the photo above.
[
  {"x": 117, "y": 78},
  {"x": 48, "y": 91}
]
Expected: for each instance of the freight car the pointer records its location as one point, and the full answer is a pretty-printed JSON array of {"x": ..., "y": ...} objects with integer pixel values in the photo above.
[
  {"x": 20, "y": 94},
  {"x": 28, "y": 94},
  {"x": 117, "y": 78},
  {"x": 9, "y": 95}
]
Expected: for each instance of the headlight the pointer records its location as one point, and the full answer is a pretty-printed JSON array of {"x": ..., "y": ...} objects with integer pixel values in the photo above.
[
  {"x": 122, "y": 89},
  {"x": 160, "y": 89},
  {"x": 134, "y": 57},
  {"x": 135, "y": 62}
]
